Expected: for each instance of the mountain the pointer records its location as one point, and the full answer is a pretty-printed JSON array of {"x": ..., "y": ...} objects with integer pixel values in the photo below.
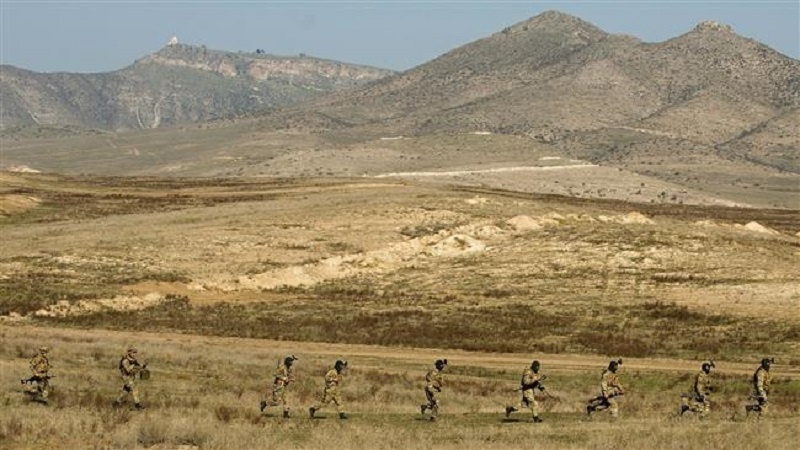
[
  {"x": 555, "y": 75},
  {"x": 178, "y": 84},
  {"x": 550, "y": 105}
]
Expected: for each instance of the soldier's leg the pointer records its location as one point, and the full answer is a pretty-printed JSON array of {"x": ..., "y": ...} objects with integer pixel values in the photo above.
[
  {"x": 696, "y": 405},
  {"x": 276, "y": 397},
  {"x": 763, "y": 404},
  {"x": 337, "y": 400},
  {"x": 428, "y": 398},
  {"x": 600, "y": 404},
  {"x": 126, "y": 389},
  {"x": 264, "y": 402},
  {"x": 44, "y": 388},
  {"x": 434, "y": 406},
  {"x": 534, "y": 406},
  {"x": 281, "y": 401},
  {"x": 706, "y": 407},
  {"x": 613, "y": 406},
  {"x": 135, "y": 394},
  {"x": 324, "y": 400}
]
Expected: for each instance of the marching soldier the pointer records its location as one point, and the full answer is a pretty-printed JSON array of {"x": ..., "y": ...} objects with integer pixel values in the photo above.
[
  {"x": 284, "y": 374},
  {"x": 610, "y": 388},
  {"x": 434, "y": 380},
  {"x": 760, "y": 388},
  {"x": 699, "y": 399},
  {"x": 331, "y": 393},
  {"x": 40, "y": 366},
  {"x": 129, "y": 367},
  {"x": 530, "y": 380}
]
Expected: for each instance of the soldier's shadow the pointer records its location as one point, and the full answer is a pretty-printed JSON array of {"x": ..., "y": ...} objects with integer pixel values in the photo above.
[{"x": 510, "y": 420}]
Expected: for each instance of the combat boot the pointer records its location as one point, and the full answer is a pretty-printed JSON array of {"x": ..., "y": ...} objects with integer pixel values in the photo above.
[
  {"x": 684, "y": 409},
  {"x": 509, "y": 410},
  {"x": 262, "y": 406},
  {"x": 311, "y": 412},
  {"x": 589, "y": 410},
  {"x": 138, "y": 406},
  {"x": 537, "y": 419},
  {"x": 342, "y": 416},
  {"x": 286, "y": 414},
  {"x": 422, "y": 409}
]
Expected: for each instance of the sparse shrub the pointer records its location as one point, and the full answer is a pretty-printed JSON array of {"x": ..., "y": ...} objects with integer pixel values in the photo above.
[{"x": 226, "y": 413}]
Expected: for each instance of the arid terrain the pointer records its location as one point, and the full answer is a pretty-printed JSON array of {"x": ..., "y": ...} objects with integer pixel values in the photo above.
[
  {"x": 549, "y": 192},
  {"x": 215, "y": 279}
]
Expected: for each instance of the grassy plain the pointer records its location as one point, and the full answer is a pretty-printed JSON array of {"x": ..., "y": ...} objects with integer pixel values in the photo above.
[
  {"x": 204, "y": 393},
  {"x": 389, "y": 275}
]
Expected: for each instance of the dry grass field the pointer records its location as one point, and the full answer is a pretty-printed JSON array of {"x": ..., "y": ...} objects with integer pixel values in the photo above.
[{"x": 216, "y": 279}]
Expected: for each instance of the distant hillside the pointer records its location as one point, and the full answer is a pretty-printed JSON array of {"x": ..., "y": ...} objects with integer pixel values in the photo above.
[
  {"x": 554, "y": 76},
  {"x": 178, "y": 84}
]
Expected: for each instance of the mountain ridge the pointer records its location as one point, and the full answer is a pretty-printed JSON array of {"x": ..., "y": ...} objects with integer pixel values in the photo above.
[{"x": 179, "y": 83}]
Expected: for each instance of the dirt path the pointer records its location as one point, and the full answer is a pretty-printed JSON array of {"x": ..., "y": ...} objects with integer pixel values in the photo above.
[{"x": 456, "y": 173}]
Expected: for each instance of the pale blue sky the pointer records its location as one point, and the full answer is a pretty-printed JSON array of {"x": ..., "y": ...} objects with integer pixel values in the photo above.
[{"x": 99, "y": 36}]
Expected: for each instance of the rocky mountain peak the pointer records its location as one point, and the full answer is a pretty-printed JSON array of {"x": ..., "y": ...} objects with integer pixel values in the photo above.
[
  {"x": 559, "y": 22},
  {"x": 711, "y": 26}
]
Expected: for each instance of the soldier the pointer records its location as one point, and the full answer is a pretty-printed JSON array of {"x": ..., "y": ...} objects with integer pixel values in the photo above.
[
  {"x": 331, "y": 393},
  {"x": 40, "y": 366},
  {"x": 610, "y": 387},
  {"x": 760, "y": 388},
  {"x": 129, "y": 367},
  {"x": 433, "y": 385},
  {"x": 284, "y": 374},
  {"x": 530, "y": 380},
  {"x": 699, "y": 399}
]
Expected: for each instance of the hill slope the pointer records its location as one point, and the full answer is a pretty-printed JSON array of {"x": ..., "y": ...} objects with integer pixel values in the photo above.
[{"x": 178, "y": 84}]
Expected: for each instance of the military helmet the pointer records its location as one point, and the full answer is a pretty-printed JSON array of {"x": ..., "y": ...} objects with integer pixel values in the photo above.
[
  {"x": 43, "y": 349},
  {"x": 766, "y": 362},
  {"x": 290, "y": 359},
  {"x": 132, "y": 350},
  {"x": 440, "y": 363},
  {"x": 340, "y": 365},
  {"x": 614, "y": 364},
  {"x": 707, "y": 366},
  {"x": 535, "y": 365}
]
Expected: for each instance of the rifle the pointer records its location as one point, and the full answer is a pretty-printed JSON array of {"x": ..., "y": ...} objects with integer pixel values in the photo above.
[
  {"x": 535, "y": 385},
  {"x": 35, "y": 379}
]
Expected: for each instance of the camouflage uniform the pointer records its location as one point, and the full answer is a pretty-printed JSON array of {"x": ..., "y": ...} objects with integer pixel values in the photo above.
[
  {"x": 434, "y": 380},
  {"x": 699, "y": 399},
  {"x": 40, "y": 366},
  {"x": 129, "y": 367},
  {"x": 530, "y": 380},
  {"x": 761, "y": 379},
  {"x": 610, "y": 388},
  {"x": 284, "y": 374},
  {"x": 331, "y": 393}
]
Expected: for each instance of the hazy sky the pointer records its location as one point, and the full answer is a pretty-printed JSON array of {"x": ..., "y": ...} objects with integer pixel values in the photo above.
[{"x": 104, "y": 35}]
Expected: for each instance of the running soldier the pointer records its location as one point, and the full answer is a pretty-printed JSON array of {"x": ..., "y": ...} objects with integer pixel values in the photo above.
[
  {"x": 129, "y": 367},
  {"x": 284, "y": 374},
  {"x": 40, "y": 366},
  {"x": 434, "y": 380},
  {"x": 760, "y": 388},
  {"x": 331, "y": 393},
  {"x": 530, "y": 380},
  {"x": 699, "y": 400},
  {"x": 610, "y": 388}
]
